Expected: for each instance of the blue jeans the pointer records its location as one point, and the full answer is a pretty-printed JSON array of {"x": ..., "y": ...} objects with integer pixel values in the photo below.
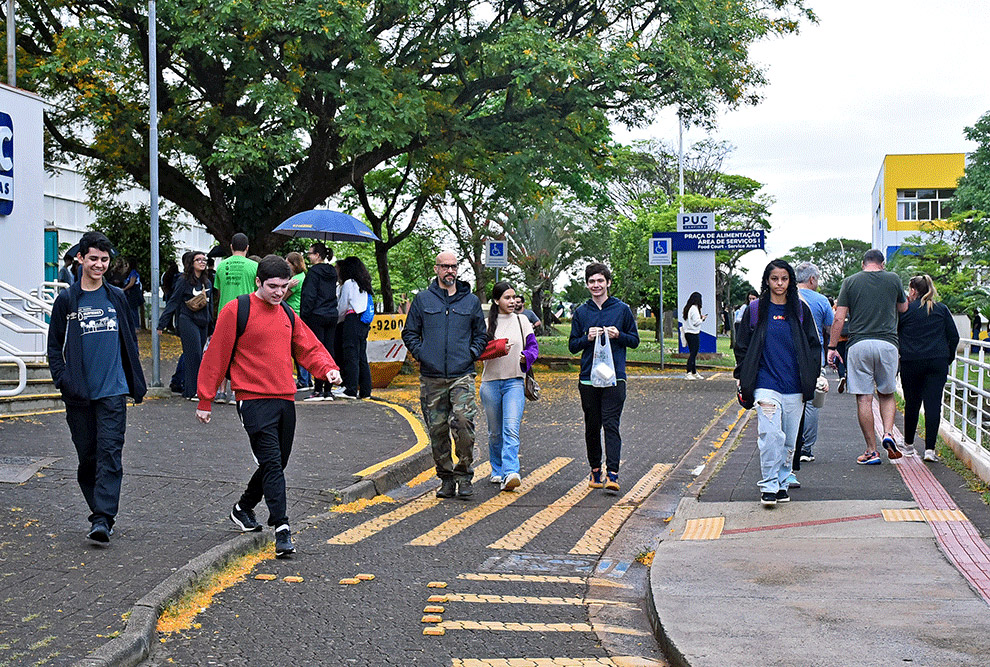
[
  {"x": 810, "y": 428},
  {"x": 504, "y": 402},
  {"x": 778, "y": 419}
]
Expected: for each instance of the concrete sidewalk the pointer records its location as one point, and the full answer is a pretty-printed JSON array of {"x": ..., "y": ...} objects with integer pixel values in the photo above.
[{"x": 835, "y": 577}]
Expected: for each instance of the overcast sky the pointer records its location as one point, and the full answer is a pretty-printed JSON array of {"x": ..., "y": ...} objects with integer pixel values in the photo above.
[{"x": 874, "y": 77}]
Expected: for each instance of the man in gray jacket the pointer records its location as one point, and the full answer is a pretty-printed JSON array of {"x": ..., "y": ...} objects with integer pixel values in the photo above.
[{"x": 445, "y": 331}]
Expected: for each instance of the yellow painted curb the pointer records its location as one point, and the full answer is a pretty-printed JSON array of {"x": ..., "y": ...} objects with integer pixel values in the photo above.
[{"x": 422, "y": 440}]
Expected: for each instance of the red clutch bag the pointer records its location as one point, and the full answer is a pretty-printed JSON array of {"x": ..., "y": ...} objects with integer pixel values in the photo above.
[{"x": 497, "y": 347}]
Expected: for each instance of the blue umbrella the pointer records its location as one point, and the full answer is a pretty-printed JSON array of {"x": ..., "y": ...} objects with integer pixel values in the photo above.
[{"x": 326, "y": 226}]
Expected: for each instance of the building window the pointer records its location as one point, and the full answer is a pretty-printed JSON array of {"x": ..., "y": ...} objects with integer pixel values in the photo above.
[{"x": 924, "y": 204}]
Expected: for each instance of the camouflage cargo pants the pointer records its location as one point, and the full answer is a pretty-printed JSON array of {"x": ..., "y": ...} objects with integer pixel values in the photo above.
[{"x": 450, "y": 408}]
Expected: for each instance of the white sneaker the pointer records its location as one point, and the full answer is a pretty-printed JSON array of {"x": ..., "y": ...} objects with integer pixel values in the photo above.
[
  {"x": 495, "y": 479},
  {"x": 930, "y": 455},
  {"x": 697, "y": 376},
  {"x": 511, "y": 481},
  {"x": 690, "y": 376}
]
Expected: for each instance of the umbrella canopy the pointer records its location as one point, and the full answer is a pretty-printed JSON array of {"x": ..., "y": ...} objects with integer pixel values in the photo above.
[{"x": 326, "y": 226}]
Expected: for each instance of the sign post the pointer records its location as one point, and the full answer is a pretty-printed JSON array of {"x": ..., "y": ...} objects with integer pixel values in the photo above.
[
  {"x": 660, "y": 256},
  {"x": 496, "y": 255}
]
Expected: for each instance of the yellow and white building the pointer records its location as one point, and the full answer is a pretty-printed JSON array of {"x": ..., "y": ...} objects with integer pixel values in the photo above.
[{"x": 912, "y": 193}]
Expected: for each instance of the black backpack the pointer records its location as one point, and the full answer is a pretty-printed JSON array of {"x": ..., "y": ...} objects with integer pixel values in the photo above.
[{"x": 243, "y": 312}]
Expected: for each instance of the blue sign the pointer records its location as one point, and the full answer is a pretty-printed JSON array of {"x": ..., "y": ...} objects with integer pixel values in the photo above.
[
  {"x": 496, "y": 254},
  {"x": 742, "y": 239},
  {"x": 6, "y": 164},
  {"x": 660, "y": 252}
]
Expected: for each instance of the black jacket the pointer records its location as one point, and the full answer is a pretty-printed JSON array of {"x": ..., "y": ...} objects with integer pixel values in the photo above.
[
  {"x": 65, "y": 346},
  {"x": 749, "y": 351},
  {"x": 318, "y": 301},
  {"x": 176, "y": 304},
  {"x": 923, "y": 335},
  {"x": 446, "y": 334}
]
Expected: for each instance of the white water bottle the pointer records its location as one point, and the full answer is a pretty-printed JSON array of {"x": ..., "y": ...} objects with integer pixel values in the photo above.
[{"x": 821, "y": 388}]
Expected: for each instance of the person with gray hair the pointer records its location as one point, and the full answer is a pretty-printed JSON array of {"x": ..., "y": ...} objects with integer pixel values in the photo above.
[
  {"x": 872, "y": 300},
  {"x": 808, "y": 276}
]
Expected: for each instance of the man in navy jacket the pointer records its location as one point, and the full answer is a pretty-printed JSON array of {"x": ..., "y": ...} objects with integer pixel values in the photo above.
[
  {"x": 445, "y": 331},
  {"x": 602, "y": 315},
  {"x": 94, "y": 362}
]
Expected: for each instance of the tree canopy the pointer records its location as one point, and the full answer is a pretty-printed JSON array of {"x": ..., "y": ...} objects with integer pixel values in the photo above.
[
  {"x": 835, "y": 259},
  {"x": 270, "y": 108}
]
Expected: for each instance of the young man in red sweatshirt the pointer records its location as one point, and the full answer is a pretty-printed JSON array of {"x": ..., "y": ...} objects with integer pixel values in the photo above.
[{"x": 261, "y": 364}]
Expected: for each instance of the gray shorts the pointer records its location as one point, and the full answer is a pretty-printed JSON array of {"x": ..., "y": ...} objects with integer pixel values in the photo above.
[{"x": 869, "y": 363}]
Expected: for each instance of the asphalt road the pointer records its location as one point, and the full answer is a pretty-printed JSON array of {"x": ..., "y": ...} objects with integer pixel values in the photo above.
[{"x": 517, "y": 578}]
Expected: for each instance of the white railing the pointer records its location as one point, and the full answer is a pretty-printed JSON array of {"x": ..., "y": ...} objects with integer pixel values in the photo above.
[
  {"x": 21, "y": 376},
  {"x": 24, "y": 315},
  {"x": 966, "y": 400}
]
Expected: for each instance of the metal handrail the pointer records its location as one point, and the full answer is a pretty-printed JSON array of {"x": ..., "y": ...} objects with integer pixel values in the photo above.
[
  {"x": 21, "y": 375},
  {"x": 29, "y": 298},
  {"x": 29, "y": 317},
  {"x": 966, "y": 400}
]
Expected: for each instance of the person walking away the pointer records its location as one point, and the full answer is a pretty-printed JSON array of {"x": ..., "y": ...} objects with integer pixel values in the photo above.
[
  {"x": 693, "y": 320},
  {"x": 742, "y": 310},
  {"x": 352, "y": 304},
  {"x": 927, "y": 339},
  {"x": 190, "y": 309},
  {"x": 66, "y": 274},
  {"x": 521, "y": 309},
  {"x": 260, "y": 360},
  {"x": 503, "y": 395},
  {"x": 808, "y": 277},
  {"x": 602, "y": 406},
  {"x": 318, "y": 307},
  {"x": 445, "y": 332},
  {"x": 134, "y": 292},
  {"x": 778, "y": 361},
  {"x": 233, "y": 277},
  {"x": 871, "y": 299},
  {"x": 94, "y": 362},
  {"x": 292, "y": 297}
]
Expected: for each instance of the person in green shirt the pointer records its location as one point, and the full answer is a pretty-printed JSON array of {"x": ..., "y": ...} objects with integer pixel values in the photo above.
[
  {"x": 293, "y": 297},
  {"x": 234, "y": 276}
]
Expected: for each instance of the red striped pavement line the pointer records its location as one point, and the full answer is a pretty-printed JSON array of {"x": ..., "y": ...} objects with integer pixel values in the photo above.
[
  {"x": 959, "y": 540},
  {"x": 802, "y": 524}
]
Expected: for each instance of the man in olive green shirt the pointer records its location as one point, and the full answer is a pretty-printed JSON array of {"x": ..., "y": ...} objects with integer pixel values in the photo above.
[
  {"x": 236, "y": 274},
  {"x": 234, "y": 277},
  {"x": 872, "y": 300}
]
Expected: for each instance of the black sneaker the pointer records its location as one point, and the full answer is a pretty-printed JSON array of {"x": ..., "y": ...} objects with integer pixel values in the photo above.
[
  {"x": 283, "y": 542},
  {"x": 448, "y": 487},
  {"x": 464, "y": 488},
  {"x": 768, "y": 499},
  {"x": 99, "y": 533},
  {"x": 244, "y": 519},
  {"x": 782, "y": 496}
]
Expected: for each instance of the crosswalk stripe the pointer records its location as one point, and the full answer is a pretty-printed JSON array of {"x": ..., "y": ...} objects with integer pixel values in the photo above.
[
  {"x": 517, "y": 578},
  {"x": 532, "y": 526},
  {"x": 380, "y": 523},
  {"x": 538, "y": 627},
  {"x": 455, "y": 525},
  {"x": 617, "y": 661},
  {"x": 528, "y": 599},
  {"x": 601, "y": 533}
]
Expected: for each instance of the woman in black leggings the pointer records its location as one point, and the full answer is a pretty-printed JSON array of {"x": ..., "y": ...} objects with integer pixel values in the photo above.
[{"x": 928, "y": 339}]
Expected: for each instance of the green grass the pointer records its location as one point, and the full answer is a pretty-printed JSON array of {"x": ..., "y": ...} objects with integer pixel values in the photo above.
[{"x": 648, "y": 350}]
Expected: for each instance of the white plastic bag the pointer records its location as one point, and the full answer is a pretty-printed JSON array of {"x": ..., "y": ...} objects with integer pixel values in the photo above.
[{"x": 602, "y": 366}]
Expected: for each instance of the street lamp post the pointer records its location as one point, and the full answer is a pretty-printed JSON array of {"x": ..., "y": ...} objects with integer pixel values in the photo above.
[{"x": 156, "y": 371}]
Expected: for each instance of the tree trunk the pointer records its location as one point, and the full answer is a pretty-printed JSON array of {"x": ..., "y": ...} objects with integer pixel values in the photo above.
[{"x": 384, "y": 278}]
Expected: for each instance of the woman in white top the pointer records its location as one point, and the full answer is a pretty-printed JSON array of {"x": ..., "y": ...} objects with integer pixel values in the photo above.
[
  {"x": 352, "y": 301},
  {"x": 691, "y": 326},
  {"x": 502, "y": 392}
]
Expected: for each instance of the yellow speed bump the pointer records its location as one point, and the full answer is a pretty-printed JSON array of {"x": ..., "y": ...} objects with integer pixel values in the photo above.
[
  {"x": 431, "y": 618},
  {"x": 437, "y": 598},
  {"x": 293, "y": 579},
  {"x": 434, "y": 631},
  {"x": 437, "y": 584},
  {"x": 365, "y": 577},
  {"x": 349, "y": 581},
  {"x": 433, "y": 609},
  {"x": 265, "y": 577}
]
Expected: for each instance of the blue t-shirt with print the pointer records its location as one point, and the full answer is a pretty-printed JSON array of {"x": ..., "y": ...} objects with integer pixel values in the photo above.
[
  {"x": 779, "y": 365},
  {"x": 99, "y": 324}
]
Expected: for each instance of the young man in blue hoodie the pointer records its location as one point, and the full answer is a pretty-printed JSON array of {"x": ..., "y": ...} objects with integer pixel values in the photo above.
[{"x": 602, "y": 315}]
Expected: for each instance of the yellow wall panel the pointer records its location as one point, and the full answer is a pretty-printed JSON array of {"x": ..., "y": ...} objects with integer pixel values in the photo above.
[{"x": 916, "y": 172}]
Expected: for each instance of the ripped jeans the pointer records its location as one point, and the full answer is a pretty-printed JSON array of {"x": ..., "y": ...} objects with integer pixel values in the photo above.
[{"x": 778, "y": 419}]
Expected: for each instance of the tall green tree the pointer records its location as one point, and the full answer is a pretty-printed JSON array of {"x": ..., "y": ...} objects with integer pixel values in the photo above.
[
  {"x": 129, "y": 231},
  {"x": 269, "y": 108},
  {"x": 835, "y": 258},
  {"x": 973, "y": 191}
]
